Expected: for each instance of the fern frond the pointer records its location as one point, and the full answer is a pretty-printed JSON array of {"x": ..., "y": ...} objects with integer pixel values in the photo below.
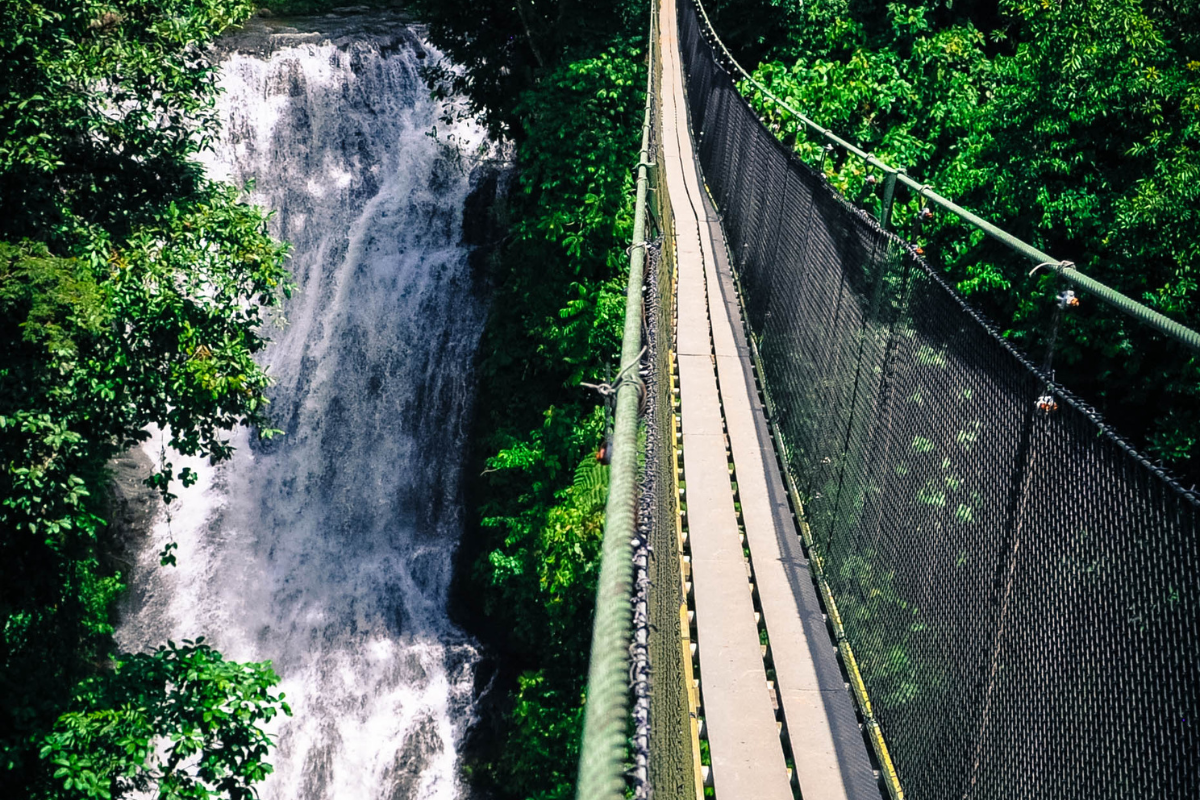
[{"x": 590, "y": 489}]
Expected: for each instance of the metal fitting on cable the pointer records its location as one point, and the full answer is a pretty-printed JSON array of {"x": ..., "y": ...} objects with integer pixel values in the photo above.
[
  {"x": 868, "y": 186},
  {"x": 1047, "y": 403},
  {"x": 1057, "y": 265},
  {"x": 1067, "y": 299},
  {"x": 825, "y": 151},
  {"x": 919, "y": 220},
  {"x": 889, "y": 197}
]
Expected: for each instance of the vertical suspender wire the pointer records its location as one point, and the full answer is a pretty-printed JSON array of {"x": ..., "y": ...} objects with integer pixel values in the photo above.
[{"x": 606, "y": 715}]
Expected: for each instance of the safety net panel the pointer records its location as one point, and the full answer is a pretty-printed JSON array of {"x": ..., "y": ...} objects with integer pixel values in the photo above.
[
  {"x": 1019, "y": 586},
  {"x": 672, "y": 768}
]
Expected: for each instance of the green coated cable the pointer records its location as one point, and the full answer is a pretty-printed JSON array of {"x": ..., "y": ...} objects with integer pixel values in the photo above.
[
  {"x": 606, "y": 716},
  {"x": 1112, "y": 297}
]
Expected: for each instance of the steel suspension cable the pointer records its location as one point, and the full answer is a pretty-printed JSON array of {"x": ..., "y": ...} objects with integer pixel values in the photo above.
[{"x": 606, "y": 716}]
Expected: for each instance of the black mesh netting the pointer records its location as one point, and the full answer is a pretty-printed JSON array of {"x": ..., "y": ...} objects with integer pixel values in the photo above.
[
  {"x": 671, "y": 770},
  {"x": 1019, "y": 587}
]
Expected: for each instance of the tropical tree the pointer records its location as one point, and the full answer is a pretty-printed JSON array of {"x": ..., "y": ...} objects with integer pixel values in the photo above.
[
  {"x": 1073, "y": 125},
  {"x": 181, "y": 722},
  {"x": 133, "y": 292}
]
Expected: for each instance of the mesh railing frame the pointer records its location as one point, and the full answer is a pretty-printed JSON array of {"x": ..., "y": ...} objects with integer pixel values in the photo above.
[
  {"x": 1019, "y": 587},
  {"x": 673, "y": 769}
]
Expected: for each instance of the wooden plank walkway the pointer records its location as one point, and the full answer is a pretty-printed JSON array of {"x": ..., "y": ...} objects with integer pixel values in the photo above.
[{"x": 718, "y": 393}]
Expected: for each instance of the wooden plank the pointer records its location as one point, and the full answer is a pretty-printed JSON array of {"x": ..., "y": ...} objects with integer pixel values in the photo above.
[
  {"x": 828, "y": 751},
  {"x": 747, "y": 756},
  {"x": 701, "y": 403},
  {"x": 830, "y": 757}
]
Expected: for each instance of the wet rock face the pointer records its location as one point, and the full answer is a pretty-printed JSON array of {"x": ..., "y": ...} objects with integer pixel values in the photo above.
[
  {"x": 423, "y": 745},
  {"x": 481, "y": 226},
  {"x": 485, "y": 214},
  {"x": 387, "y": 29},
  {"x": 132, "y": 504},
  {"x": 132, "y": 507}
]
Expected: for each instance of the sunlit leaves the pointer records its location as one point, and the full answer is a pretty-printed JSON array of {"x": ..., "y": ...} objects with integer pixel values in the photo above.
[
  {"x": 182, "y": 721},
  {"x": 132, "y": 292},
  {"x": 1074, "y": 126}
]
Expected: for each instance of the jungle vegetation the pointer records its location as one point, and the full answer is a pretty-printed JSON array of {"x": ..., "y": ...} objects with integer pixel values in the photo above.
[
  {"x": 133, "y": 292},
  {"x": 1072, "y": 125},
  {"x": 564, "y": 82}
]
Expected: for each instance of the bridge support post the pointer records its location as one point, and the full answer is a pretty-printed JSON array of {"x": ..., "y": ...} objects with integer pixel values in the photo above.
[{"x": 889, "y": 196}]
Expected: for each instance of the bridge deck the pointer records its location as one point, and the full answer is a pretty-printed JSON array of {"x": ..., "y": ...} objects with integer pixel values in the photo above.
[{"x": 718, "y": 394}]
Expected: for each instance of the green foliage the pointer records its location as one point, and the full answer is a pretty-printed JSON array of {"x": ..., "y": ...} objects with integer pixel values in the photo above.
[
  {"x": 542, "y": 568},
  {"x": 182, "y": 722},
  {"x": 544, "y": 720},
  {"x": 590, "y": 488},
  {"x": 1075, "y": 126},
  {"x": 536, "y": 582},
  {"x": 502, "y": 49},
  {"x": 132, "y": 293},
  {"x": 102, "y": 103},
  {"x": 564, "y": 83},
  {"x": 571, "y": 218},
  {"x": 297, "y": 8}
]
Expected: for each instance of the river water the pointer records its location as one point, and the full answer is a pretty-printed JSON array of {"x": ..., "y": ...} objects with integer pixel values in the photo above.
[{"x": 328, "y": 550}]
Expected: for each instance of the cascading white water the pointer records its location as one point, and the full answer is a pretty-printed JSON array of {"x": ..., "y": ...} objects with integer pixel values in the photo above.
[{"x": 328, "y": 550}]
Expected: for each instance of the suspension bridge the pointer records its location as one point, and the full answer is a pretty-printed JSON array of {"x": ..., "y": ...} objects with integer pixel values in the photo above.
[{"x": 857, "y": 546}]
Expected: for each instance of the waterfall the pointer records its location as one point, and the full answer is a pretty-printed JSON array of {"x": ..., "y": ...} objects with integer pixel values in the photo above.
[{"x": 328, "y": 550}]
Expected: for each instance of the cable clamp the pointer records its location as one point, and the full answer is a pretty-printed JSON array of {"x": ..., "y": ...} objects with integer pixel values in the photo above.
[
  {"x": 645, "y": 244},
  {"x": 610, "y": 389},
  {"x": 1047, "y": 403},
  {"x": 1058, "y": 266},
  {"x": 623, "y": 377}
]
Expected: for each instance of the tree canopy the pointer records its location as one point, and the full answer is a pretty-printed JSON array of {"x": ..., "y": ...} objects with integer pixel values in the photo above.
[
  {"x": 1072, "y": 125},
  {"x": 133, "y": 292}
]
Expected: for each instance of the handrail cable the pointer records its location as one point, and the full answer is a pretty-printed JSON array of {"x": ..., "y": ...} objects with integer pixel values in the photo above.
[
  {"x": 606, "y": 715},
  {"x": 1112, "y": 297}
]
